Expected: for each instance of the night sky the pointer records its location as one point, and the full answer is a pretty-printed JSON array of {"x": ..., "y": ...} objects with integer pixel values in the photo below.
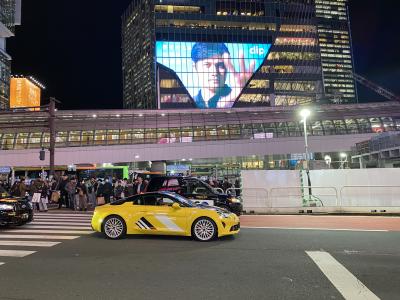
[{"x": 74, "y": 48}]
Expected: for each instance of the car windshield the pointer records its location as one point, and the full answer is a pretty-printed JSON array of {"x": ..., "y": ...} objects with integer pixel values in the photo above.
[{"x": 184, "y": 200}]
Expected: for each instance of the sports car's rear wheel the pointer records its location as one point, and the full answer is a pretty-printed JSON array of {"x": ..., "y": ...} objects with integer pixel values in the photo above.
[
  {"x": 114, "y": 227},
  {"x": 204, "y": 229}
]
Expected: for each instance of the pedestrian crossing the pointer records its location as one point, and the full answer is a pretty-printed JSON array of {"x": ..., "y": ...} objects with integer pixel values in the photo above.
[{"x": 45, "y": 231}]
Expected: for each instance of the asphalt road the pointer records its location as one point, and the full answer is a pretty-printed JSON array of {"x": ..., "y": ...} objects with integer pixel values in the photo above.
[{"x": 256, "y": 264}]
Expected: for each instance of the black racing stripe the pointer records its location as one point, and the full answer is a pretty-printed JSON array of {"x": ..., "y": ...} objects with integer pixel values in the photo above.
[
  {"x": 139, "y": 225},
  {"x": 147, "y": 223}
]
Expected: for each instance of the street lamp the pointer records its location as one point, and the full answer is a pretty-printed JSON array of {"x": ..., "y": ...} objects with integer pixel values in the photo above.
[
  {"x": 305, "y": 113},
  {"x": 328, "y": 160},
  {"x": 343, "y": 159}
]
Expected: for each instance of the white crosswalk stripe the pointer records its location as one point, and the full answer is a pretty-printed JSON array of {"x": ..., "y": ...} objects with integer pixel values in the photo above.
[
  {"x": 15, "y": 253},
  {"x": 69, "y": 223},
  {"x": 28, "y": 243},
  {"x": 57, "y": 227},
  {"x": 46, "y": 230}
]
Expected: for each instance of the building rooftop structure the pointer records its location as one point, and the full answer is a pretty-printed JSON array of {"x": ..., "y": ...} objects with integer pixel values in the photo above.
[{"x": 27, "y": 130}]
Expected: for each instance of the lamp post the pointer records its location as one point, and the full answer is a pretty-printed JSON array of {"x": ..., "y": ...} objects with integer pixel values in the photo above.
[
  {"x": 305, "y": 113},
  {"x": 328, "y": 160},
  {"x": 343, "y": 159}
]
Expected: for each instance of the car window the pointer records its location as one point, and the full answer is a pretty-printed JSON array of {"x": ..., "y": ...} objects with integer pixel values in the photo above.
[
  {"x": 149, "y": 199},
  {"x": 164, "y": 201},
  {"x": 173, "y": 182},
  {"x": 197, "y": 187},
  {"x": 136, "y": 200}
]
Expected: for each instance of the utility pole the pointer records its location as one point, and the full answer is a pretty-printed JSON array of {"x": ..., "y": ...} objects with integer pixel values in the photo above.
[{"x": 52, "y": 113}]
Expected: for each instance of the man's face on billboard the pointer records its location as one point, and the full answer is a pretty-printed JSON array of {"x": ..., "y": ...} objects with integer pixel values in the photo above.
[{"x": 212, "y": 73}]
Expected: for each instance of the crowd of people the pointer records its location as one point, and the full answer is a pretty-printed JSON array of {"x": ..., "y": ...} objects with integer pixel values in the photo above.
[
  {"x": 70, "y": 192},
  {"x": 75, "y": 194}
]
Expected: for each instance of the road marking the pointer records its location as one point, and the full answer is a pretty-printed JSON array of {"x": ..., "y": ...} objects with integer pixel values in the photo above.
[
  {"x": 346, "y": 283},
  {"x": 49, "y": 231},
  {"x": 62, "y": 221},
  {"x": 1, "y": 263},
  {"x": 63, "y": 215},
  {"x": 15, "y": 253},
  {"x": 40, "y": 237},
  {"x": 310, "y": 228},
  {"x": 58, "y": 223},
  {"x": 57, "y": 227},
  {"x": 28, "y": 243}
]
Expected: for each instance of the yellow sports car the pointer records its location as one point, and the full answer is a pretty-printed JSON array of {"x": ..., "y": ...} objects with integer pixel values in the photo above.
[{"x": 163, "y": 213}]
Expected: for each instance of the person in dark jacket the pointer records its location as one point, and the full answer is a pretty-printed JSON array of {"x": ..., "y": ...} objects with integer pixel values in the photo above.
[
  {"x": 63, "y": 193},
  {"x": 106, "y": 190},
  {"x": 82, "y": 195}
]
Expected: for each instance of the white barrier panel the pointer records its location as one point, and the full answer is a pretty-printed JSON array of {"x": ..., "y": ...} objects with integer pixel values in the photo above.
[
  {"x": 297, "y": 196},
  {"x": 373, "y": 196},
  {"x": 338, "y": 189},
  {"x": 255, "y": 197}
]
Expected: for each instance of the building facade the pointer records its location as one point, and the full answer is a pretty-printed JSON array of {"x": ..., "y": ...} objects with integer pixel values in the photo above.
[
  {"x": 258, "y": 53},
  {"x": 10, "y": 15},
  {"x": 334, "y": 37}
]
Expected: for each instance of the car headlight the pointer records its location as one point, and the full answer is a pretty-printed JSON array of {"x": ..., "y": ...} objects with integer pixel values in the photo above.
[
  {"x": 224, "y": 214},
  {"x": 234, "y": 200},
  {"x": 6, "y": 207}
]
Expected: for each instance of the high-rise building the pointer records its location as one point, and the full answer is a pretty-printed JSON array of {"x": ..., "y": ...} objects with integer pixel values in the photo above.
[
  {"x": 223, "y": 54},
  {"x": 10, "y": 15},
  {"x": 334, "y": 37}
]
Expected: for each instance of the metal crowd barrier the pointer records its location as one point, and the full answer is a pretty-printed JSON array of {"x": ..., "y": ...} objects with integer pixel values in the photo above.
[{"x": 329, "y": 196}]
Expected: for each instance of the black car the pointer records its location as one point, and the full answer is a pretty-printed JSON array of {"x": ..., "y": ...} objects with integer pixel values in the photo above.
[
  {"x": 14, "y": 211},
  {"x": 196, "y": 190}
]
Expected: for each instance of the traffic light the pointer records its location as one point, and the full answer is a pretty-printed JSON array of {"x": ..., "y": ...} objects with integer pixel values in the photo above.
[{"x": 42, "y": 154}]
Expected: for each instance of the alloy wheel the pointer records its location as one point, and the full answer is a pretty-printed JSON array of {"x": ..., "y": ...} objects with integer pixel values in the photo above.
[
  {"x": 114, "y": 227},
  {"x": 204, "y": 230}
]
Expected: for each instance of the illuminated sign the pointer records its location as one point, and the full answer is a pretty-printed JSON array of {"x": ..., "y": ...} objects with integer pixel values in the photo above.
[
  {"x": 212, "y": 74},
  {"x": 23, "y": 93}
]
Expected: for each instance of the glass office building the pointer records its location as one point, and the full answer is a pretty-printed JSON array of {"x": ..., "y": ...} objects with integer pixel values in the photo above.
[
  {"x": 336, "y": 50},
  {"x": 10, "y": 15},
  {"x": 223, "y": 54},
  {"x": 220, "y": 54}
]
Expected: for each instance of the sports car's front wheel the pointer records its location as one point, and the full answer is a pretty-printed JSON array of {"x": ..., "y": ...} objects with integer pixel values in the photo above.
[
  {"x": 114, "y": 227},
  {"x": 204, "y": 229}
]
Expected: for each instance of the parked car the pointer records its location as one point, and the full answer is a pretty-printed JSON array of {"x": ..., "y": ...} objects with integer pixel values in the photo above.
[
  {"x": 14, "y": 211},
  {"x": 196, "y": 190},
  {"x": 163, "y": 213}
]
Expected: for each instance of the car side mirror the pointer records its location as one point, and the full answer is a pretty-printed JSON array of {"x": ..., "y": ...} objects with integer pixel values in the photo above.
[{"x": 176, "y": 205}]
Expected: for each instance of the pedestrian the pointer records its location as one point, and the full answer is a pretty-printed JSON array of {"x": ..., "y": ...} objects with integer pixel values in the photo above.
[
  {"x": 129, "y": 190},
  {"x": 82, "y": 196},
  {"x": 70, "y": 189},
  {"x": 63, "y": 193},
  {"x": 107, "y": 190},
  {"x": 118, "y": 190},
  {"x": 140, "y": 186},
  {"x": 91, "y": 192},
  {"x": 44, "y": 197}
]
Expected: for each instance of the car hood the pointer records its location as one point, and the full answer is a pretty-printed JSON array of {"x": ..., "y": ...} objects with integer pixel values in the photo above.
[{"x": 210, "y": 207}]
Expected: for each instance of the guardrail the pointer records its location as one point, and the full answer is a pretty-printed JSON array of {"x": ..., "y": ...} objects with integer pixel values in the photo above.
[
  {"x": 329, "y": 196},
  {"x": 294, "y": 197}
]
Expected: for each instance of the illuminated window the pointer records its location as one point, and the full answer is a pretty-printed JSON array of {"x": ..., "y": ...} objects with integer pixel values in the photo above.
[{"x": 177, "y": 9}]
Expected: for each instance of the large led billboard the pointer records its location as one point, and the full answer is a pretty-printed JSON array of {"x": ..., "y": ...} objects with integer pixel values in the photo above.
[
  {"x": 24, "y": 93},
  {"x": 212, "y": 74}
]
